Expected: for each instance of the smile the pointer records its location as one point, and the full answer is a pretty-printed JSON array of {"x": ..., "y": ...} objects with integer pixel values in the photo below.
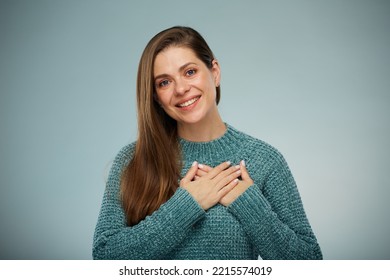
[{"x": 189, "y": 102}]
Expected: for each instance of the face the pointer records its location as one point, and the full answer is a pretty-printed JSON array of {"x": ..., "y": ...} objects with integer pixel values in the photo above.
[{"x": 185, "y": 86}]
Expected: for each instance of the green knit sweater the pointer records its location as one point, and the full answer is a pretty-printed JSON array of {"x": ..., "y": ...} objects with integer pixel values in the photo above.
[{"x": 268, "y": 219}]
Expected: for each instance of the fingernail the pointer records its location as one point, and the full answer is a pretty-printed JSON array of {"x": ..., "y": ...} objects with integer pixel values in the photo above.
[
  {"x": 200, "y": 166},
  {"x": 228, "y": 163},
  {"x": 243, "y": 162},
  {"x": 238, "y": 171},
  {"x": 237, "y": 167},
  {"x": 194, "y": 163}
]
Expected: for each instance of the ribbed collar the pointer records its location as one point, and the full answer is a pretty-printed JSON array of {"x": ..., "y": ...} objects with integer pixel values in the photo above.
[{"x": 213, "y": 152}]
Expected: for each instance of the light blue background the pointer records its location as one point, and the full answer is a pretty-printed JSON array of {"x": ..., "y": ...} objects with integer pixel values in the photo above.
[{"x": 312, "y": 78}]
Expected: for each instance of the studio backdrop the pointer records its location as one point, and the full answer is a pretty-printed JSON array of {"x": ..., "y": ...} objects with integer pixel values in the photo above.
[{"x": 311, "y": 78}]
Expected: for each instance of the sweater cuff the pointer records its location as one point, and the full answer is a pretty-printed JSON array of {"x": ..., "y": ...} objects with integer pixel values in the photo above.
[
  {"x": 250, "y": 204},
  {"x": 183, "y": 209}
]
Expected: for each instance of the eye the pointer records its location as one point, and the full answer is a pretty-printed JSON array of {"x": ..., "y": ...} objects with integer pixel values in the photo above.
[
  {"x": 162, "y": 83},
  {"x": 190, "y": 72}
]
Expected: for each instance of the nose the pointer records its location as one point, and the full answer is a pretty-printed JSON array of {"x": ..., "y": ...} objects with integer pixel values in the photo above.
[{"x": 181, "y": 86}]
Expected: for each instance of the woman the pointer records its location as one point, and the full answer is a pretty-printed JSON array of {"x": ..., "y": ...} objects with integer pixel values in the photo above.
[{"x": 191, "y": 186}]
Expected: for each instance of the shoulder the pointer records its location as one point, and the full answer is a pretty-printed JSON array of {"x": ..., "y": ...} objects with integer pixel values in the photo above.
[
  {"x": 126, "y": 152},
  {"x": 122, "y": 159}
]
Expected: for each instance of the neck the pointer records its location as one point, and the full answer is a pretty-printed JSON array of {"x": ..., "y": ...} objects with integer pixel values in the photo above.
[{"x": 202, "y": 132}]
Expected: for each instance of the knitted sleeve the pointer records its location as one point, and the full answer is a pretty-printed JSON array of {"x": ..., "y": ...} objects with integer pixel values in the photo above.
[
  {"x": 152, "y": 238},
  {"x": 274, "y": 218}
]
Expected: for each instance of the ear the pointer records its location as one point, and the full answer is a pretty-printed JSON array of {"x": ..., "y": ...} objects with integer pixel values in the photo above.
[{"x": 216, "y": 70}]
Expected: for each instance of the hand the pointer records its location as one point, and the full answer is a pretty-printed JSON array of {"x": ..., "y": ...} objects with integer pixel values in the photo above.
[
  {"x": 241, "y": 187},
  {"x": 210, "y": 188}
]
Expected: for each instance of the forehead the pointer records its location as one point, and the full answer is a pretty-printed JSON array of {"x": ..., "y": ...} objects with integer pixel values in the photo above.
[{"x": 172, "y": 58}]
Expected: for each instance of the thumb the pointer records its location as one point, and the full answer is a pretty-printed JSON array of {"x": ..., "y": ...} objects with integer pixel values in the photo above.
[
  {"x": 190, "y": 173},
  {"x": 244, "y": 173}
]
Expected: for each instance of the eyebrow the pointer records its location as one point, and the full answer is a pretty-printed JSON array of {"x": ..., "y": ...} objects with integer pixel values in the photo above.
[{"x": 180, "y": 69}]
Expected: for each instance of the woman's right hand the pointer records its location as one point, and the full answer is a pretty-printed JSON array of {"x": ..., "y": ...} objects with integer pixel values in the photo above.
[{"x": 209, "y": 189}]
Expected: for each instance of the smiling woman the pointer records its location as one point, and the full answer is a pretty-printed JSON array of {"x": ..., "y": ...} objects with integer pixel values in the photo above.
[
  {"x": 191, "y": 186},
  {"x": 187, "y": 92}
]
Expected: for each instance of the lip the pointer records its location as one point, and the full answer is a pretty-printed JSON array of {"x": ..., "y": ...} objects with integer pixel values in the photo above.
[
  {"x": 189, "y": 107},
  {"x": 186, "y": 100}
]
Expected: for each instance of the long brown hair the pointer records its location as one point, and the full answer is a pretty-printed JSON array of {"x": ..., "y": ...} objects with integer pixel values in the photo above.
[{"x": 152, "y": 176}]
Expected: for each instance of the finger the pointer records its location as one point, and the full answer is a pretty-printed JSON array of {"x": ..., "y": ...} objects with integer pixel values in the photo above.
[
  {"x": 224, "y": 191},
  {"x": 205, "y": 167},
  {"x": 244, "y": 172},
  {"x": 200, "y": 173},
  {"x": 227, "y": 172},
  {"x": 190, "y": 174},
  {"x": 218, "y": 169},
  {"x": 225, "y": 177}
]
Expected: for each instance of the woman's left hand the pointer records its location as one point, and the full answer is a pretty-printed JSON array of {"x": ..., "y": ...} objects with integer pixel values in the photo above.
[{"x": 245, "y": 182}]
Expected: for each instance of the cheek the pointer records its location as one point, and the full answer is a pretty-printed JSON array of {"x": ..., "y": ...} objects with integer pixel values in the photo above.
[
  {"x": 209, "y": 83},
  {"x": 210, "y": 89},
  {"x": 163, "y": 98}
]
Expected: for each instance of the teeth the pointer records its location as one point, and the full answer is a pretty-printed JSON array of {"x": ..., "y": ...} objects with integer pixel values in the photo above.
[{"x": 189, "y": 102}]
